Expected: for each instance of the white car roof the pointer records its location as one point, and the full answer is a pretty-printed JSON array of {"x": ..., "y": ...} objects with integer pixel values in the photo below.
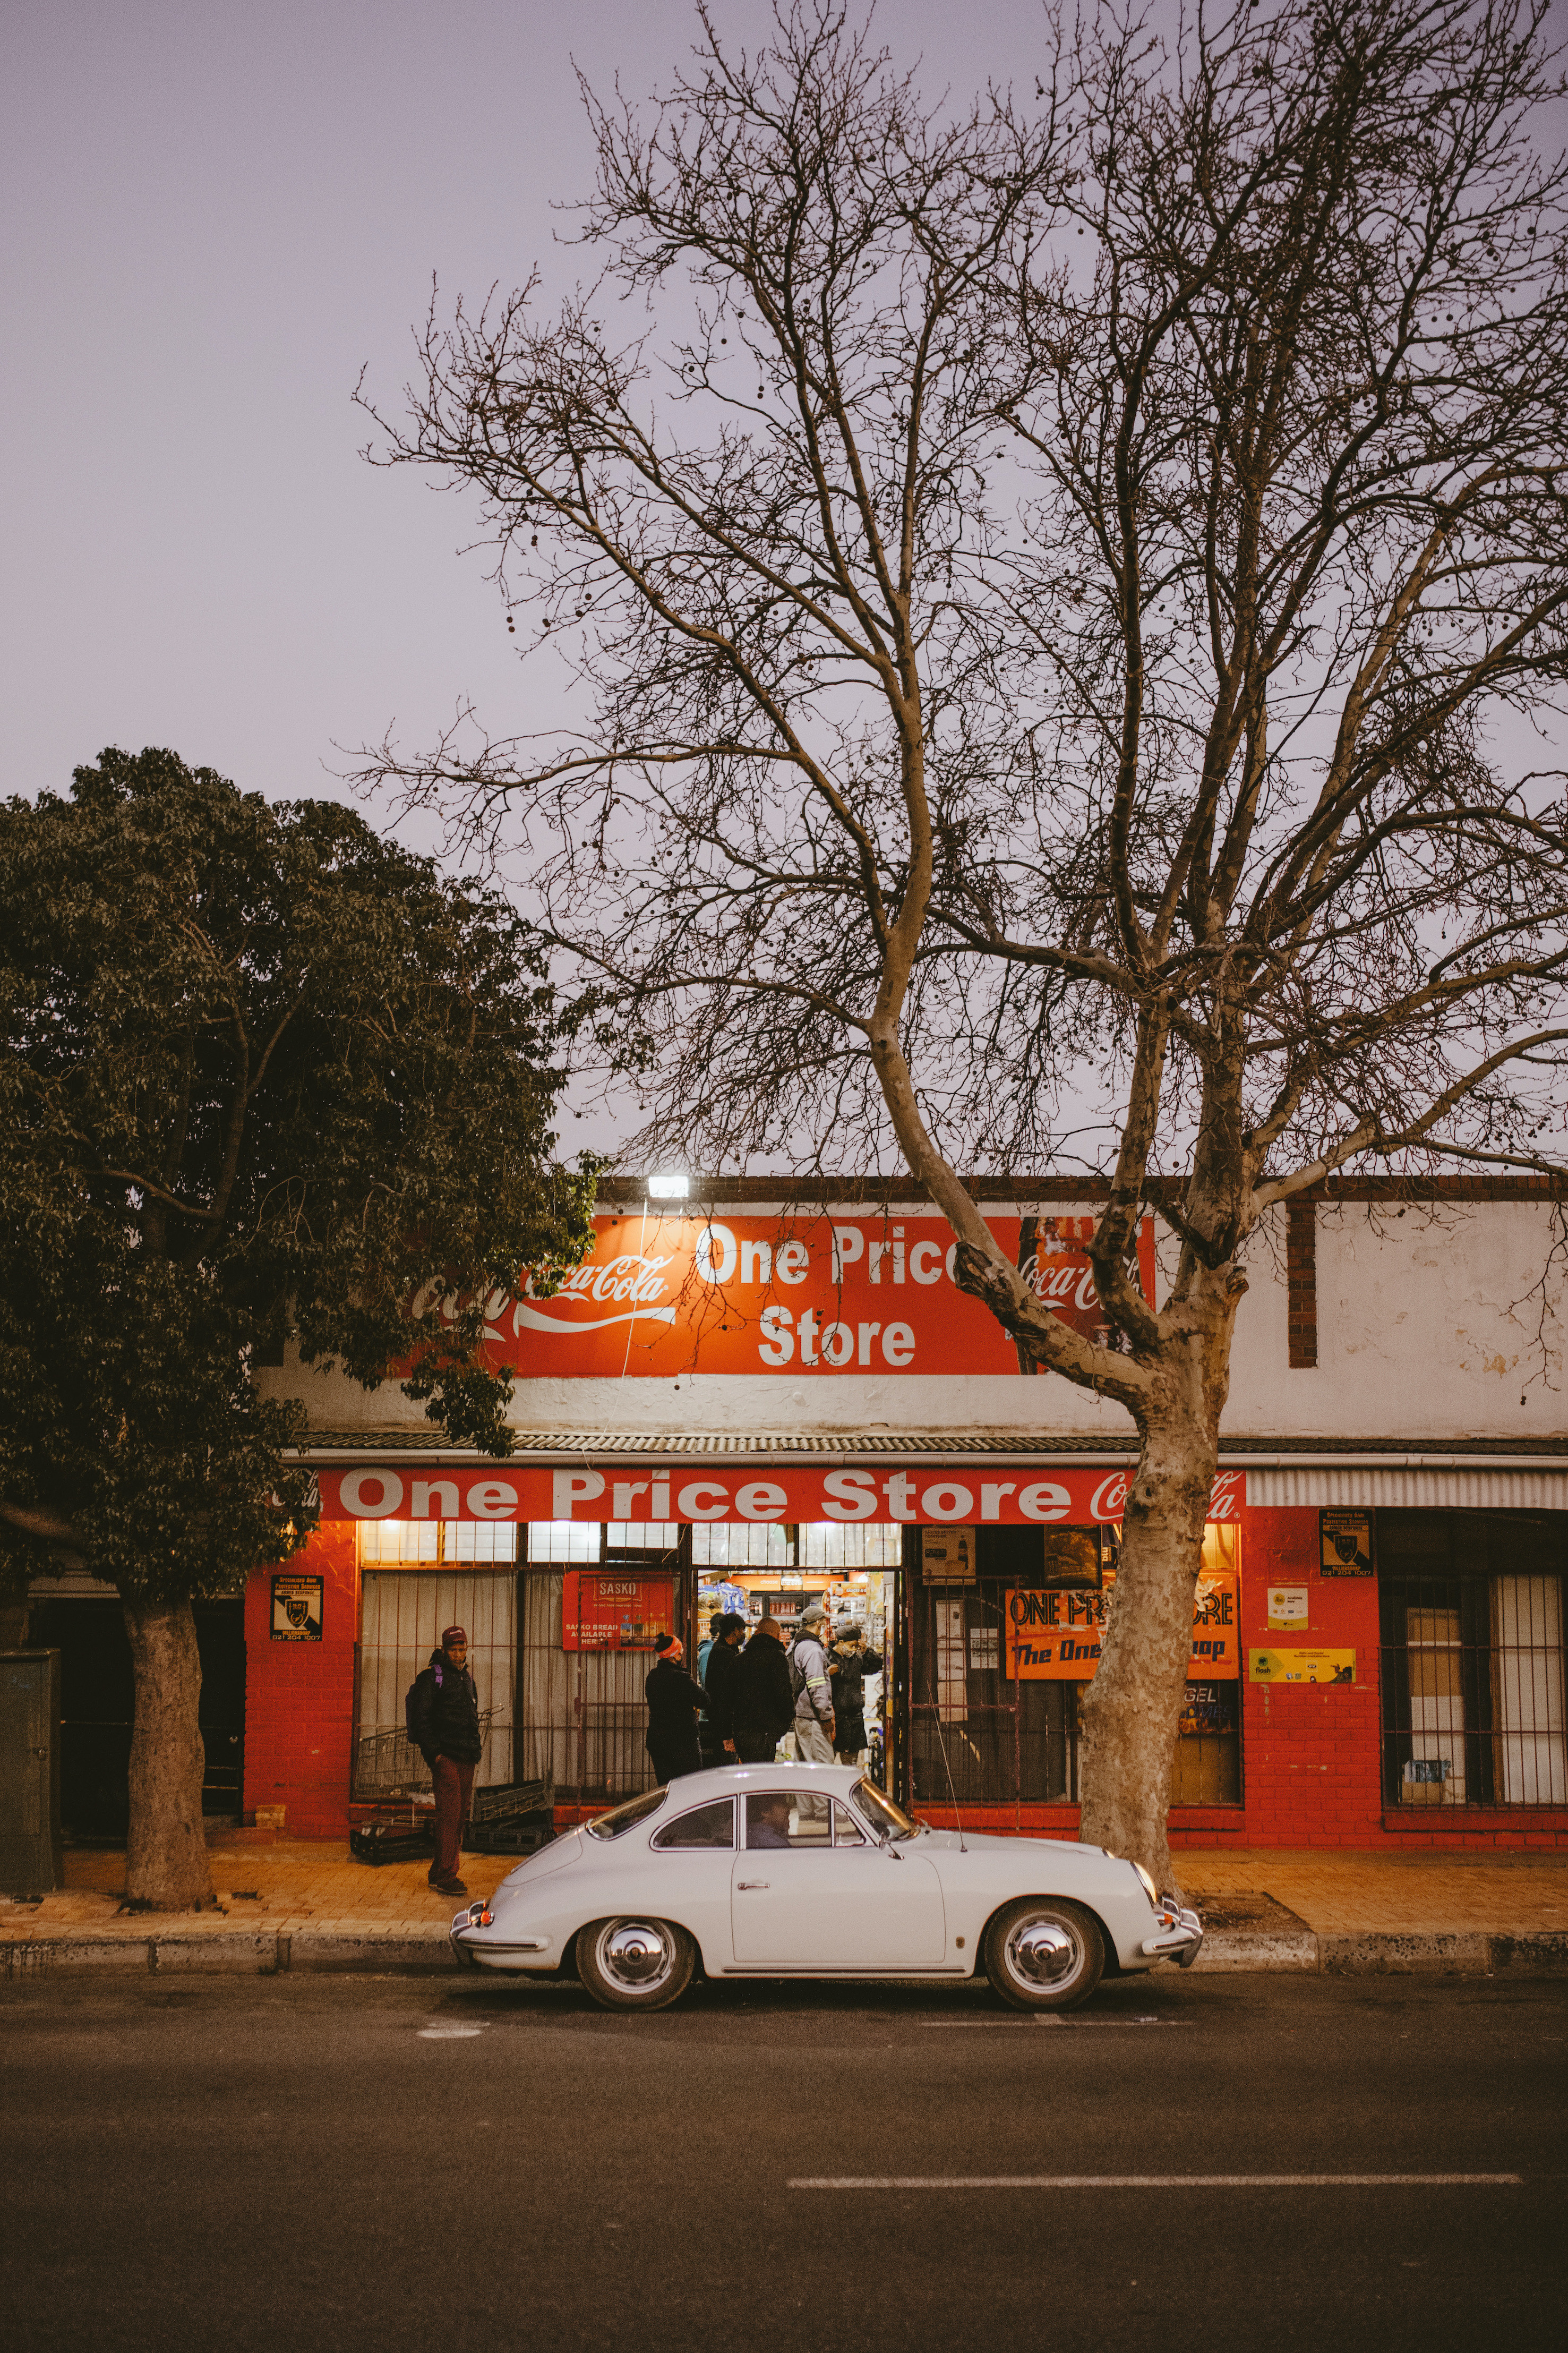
[{"x": 691, "y": 1788}]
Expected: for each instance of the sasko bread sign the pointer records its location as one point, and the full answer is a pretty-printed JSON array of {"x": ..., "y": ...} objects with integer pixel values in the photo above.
[
  {"x": 807, "y": 1296},
  {"x": 970, "y": 1494}
]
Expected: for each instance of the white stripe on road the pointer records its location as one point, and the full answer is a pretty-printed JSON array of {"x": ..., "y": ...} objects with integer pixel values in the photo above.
[
  {"x": 447, "y": 2033},
  {"x": 1152, "y": 2180},
  {"x": 1047, "y": 2018}
]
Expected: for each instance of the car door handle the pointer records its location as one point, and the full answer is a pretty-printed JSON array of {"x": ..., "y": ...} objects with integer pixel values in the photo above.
[{"x": 741, "y": 1883}]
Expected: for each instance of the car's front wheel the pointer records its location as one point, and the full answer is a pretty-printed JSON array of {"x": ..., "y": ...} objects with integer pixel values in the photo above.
[
  {"x": 1045, "y": 1953},
  {"x": 635, "y": 1964}
]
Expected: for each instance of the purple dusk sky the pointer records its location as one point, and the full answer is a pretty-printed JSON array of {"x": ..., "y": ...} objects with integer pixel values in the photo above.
[{"x": 216, "y": 215}]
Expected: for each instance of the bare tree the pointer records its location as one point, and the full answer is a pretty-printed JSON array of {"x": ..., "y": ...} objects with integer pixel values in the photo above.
[{"x": 1055, "y": 631}]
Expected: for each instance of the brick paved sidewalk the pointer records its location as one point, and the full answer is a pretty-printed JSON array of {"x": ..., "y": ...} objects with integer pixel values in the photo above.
[
  {"x": 318, "y": 1888},
  {"x": 1347, "y": 1894},
  {"x": 312, "y": 1884}
]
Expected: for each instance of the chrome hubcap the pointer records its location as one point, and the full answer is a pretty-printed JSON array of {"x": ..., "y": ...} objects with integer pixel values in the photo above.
[
  {"x": 636, "y": 1955},
  {"x": 1043, "y": 1954}
]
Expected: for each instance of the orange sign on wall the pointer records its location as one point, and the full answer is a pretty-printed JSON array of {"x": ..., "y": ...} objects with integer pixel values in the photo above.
[
  {"x": 1056, "y": 1637},
  {"x": 806, "y": 1296}
]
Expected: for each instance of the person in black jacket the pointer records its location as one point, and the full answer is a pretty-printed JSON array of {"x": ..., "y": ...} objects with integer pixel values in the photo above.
[
  {"x": 764, "y": 1698},
  {"x": 443, "y": 1725},
  {"x": 674, "y": 1703},
  {"x": 848, "y": 1663},
  {"x": 718, "y": 1725}
]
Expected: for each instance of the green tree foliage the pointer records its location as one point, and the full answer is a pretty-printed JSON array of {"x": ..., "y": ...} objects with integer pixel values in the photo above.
[{"x": 261, "y": 1072}]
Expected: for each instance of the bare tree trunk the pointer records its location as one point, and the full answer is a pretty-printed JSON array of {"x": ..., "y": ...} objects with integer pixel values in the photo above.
[
  {"x": 166, "y": 1865},
  {"x": 1132, "y": 1709}
]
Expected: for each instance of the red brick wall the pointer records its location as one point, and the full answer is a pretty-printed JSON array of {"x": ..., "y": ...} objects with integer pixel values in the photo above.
[
  {"x": 298, "y": 1713},
  {"x": 1311, "y": 1752},
  {"x": 1311, "y": 1774}
]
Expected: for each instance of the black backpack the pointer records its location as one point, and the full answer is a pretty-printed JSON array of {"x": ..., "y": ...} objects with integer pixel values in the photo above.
[{"x": 408, "y": 1705}]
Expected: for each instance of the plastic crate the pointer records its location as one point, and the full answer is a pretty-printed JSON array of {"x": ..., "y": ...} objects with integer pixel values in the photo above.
[
  {"x": 502, "y": 1801},
  {"x": 518, "y": 1834},
  {"x": 401, "y": 1841}
]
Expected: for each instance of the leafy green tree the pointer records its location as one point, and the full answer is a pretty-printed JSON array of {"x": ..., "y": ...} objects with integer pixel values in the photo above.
[{"x": 262, "y": 1075}]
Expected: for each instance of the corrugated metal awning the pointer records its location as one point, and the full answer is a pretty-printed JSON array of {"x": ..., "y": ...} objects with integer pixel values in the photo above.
[{"x": 1459, "y": 1486}]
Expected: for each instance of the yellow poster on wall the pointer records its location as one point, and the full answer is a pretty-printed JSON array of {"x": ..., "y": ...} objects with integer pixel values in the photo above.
[
  {"x": 1056, "y": 1637},
  {"x": 1293, "y": 1665}
]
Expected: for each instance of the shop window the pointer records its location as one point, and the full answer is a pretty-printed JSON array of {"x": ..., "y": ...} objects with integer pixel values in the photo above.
[
  {"x": 1471, "y": 1627},
  {"x": 1206, "y": 1770},
  {"x": 861, "y": 1544},
  {"x": 402, "y": 1616},
  {"x": 1004, "y": 1640},
  {"x": 743, "y": 1543},
  {"x": 590, "y": 1599},
  {"x": 436, "y": 1540},
  {"x": 978, "y": 1734},
  {"x": 564, "y": 1540}
]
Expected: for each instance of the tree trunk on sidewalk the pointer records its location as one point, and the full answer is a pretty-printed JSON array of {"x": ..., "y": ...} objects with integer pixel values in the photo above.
[
  {"x": 166, "y": 1865},
  {"x": 1131, "y": 1710}
]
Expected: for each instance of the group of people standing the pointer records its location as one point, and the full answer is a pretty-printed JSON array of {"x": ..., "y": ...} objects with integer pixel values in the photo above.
[{"x": 750, "y": 1697}]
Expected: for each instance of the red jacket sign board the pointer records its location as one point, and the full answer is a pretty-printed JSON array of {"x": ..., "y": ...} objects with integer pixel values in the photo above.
[
  {"x": 807, "y": 1296},
  {"x": 1006, "y": 1495}
]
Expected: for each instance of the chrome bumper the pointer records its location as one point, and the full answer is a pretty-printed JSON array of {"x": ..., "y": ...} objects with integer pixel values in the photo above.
[
  {"x": 464, "y": 1939},
  {"x": 1181, "y": 1940}
]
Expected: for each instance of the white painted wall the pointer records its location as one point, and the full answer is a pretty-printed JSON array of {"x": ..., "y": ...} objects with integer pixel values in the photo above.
[{"x": 1430, "y": 1326}]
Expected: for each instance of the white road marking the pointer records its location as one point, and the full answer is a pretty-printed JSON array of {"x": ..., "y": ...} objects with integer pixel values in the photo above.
[
  {"x": 1049, "y": 2018},
  {"x": 447, "y": 2033},
  {"x": 1154, "y": 2181}
]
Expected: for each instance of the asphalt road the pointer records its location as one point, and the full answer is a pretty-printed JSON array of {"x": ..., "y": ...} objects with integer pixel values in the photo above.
[{"x": 400, "y": 2163}]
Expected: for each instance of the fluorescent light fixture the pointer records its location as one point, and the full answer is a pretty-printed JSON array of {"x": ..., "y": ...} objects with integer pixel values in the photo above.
[{"x": 667, "y": 1186}]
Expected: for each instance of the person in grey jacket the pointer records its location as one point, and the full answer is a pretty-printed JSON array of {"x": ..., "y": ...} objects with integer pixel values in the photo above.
[{"x": 813, "y": 1702}]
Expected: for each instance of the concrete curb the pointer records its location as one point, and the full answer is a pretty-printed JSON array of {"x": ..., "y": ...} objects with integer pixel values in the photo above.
[
  {"x": 248, "y": 1952},
  {"x": 272, "y": 1953}
]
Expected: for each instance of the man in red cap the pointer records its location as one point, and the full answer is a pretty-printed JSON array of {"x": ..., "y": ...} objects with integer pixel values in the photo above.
[{"x": 444, "y": 1722}]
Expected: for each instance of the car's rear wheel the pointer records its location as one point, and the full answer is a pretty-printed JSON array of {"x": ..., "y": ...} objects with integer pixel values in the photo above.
[
  {"x": 1045, "y": 1953},
  {"x": 635, "y": 1964}
]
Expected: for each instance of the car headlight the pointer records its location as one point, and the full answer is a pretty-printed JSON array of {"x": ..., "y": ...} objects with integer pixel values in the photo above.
[{"x": 1150, "y": 1890}]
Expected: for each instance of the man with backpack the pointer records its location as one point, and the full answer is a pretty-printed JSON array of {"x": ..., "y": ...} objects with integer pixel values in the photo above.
[{"x": 442, "y": 1713}]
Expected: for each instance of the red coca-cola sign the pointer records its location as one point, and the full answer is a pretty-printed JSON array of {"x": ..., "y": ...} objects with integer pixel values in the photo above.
[{"x": 807, "y": 1296}]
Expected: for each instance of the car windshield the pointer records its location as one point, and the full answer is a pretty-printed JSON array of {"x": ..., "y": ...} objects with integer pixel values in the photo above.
[
  {"x": 882, "y": 1814},
  {"x": 625, "y": 1817}
]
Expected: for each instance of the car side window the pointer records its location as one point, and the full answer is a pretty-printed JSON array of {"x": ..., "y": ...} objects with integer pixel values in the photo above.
[
  {"x": 791, "y": 1819},
  {"x": 705, "y": 1826}
]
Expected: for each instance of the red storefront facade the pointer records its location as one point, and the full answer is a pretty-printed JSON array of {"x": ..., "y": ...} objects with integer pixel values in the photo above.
[{"x": 668, "y": 1428}]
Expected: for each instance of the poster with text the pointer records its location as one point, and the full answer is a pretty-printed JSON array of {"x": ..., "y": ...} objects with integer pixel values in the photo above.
[{"x": 1056, "y": 1637}]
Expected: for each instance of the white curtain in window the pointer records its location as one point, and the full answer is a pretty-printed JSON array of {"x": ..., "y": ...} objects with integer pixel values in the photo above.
[
  {"x": 1527, "y": 1690},
  {"x": 402, "y": 1617}
]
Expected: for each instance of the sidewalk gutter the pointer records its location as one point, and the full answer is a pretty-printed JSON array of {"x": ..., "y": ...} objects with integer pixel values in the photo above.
[{"x": 272, "y": 1953}]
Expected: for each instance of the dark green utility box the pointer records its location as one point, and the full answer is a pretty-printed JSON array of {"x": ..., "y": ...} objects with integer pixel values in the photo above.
[{"x": 31, "y": 1863}]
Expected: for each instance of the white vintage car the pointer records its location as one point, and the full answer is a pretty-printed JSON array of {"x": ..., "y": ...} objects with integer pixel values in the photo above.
[{"x": 810, "y": 1870}]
